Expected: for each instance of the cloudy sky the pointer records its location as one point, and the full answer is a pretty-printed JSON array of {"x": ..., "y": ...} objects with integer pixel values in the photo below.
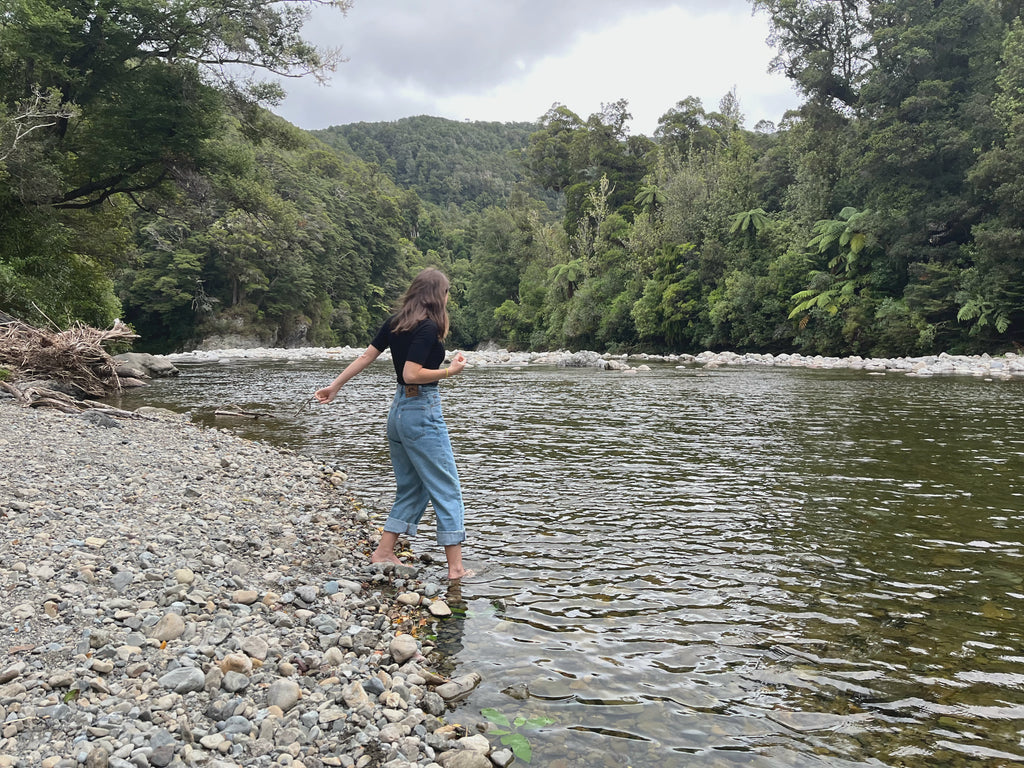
[{"x": 510, "y": 60}]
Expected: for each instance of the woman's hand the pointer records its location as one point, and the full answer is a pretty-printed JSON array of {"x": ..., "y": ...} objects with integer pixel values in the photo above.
[
  {"x": 458, "y": 363},
  {"x": 325, "y": 395}
]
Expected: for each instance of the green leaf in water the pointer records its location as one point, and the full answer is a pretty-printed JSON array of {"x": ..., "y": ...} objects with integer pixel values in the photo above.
[
  {"x": 508, "y": 733},
  {"x": 496, "y": 717},
  {"x": 519, "y": 745},
  {"x": 539, "y": 722}
]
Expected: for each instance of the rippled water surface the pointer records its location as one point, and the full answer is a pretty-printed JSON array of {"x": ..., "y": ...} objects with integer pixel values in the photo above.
[{"x": 740, "y": 567}]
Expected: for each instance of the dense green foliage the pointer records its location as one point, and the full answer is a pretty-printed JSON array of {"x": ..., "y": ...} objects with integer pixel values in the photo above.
[
  {"x": 471, "y": 165},
  {"x": 883, "y": 217},
  {"x": 137, "y": 179},
  {"x": 281, "y": 239}
]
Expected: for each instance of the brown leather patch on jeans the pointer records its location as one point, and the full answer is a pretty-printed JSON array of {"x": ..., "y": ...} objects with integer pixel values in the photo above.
[{"x": 412, "y": 390}]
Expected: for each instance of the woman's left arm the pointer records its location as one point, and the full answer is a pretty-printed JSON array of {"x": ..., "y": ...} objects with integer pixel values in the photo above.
[
  {"x": 328, "y": 393},
  {"x": 414, "y": 373}
]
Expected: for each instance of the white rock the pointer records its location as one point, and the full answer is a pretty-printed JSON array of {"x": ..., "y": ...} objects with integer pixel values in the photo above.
[{"x": 403, "y": 648}]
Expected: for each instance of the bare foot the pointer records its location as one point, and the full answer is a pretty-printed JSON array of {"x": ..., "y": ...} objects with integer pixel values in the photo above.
[
  {"x": 385, "y": 557},
  {"x": 464, "y": 573},
  {"x": 385, "y": 550}
]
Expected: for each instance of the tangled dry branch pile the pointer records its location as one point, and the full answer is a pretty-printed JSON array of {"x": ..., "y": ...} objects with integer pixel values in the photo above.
[{"x": 75, "y": 357}]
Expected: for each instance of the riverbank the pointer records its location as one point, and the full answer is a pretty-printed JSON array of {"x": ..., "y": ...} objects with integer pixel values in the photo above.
[
  {"x": 179, "y": 596},
  {"x": 1006, "y": 366}
]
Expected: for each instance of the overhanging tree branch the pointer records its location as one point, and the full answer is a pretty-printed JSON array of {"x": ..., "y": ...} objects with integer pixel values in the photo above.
[
  {"x": 43, "y": 110},
  {"x": 103, "y": 189},
  {"x": 146, "y": 76}
]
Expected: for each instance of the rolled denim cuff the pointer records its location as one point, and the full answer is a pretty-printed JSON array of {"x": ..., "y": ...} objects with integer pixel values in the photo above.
[
  {"x": 394, "y": 525},
  {"x": 448, "y": 538}
]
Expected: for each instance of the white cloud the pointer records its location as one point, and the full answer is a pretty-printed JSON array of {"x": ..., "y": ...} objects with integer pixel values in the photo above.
[
  {"x": 653, "y": 56},
  {"x": 652, "y": 61}
]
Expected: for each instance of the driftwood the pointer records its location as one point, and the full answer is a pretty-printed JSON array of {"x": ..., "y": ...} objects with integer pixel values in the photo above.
[
  {"x": 234, "y": 410},
  {"x": 37, "y": 397},
  {"x": 75, "y": 358},
  {"x": 14, "y": 392}
]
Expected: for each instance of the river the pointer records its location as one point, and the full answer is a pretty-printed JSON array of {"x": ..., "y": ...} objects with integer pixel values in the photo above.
[{"x": 684, "y": 567}]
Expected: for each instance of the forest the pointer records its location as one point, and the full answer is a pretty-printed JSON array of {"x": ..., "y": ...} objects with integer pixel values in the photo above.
[{"x": 144, "y": 176}]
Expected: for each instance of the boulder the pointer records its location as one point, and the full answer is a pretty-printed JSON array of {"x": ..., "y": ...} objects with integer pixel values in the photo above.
[
  {"x": 582, "y": 359},
  {"x": 141, "y": 365}
]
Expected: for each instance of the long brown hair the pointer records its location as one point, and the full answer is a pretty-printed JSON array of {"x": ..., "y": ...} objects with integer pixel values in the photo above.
[{"x": 426, "y": 297}]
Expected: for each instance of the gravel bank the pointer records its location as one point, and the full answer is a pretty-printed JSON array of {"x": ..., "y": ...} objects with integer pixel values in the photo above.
[
  {"x": 179, "y": 596},
  {"x": 1004, "y": 366}
]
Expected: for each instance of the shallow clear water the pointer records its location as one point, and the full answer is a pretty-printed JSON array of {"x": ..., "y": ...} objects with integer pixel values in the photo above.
[{"x": 756, "y": 567}]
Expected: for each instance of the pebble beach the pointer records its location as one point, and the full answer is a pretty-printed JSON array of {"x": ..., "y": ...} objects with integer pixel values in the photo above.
[{"x": 178, "y": 596}]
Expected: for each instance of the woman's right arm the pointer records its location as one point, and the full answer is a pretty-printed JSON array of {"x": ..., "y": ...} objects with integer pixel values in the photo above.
[{"x": 328, "y": 393}]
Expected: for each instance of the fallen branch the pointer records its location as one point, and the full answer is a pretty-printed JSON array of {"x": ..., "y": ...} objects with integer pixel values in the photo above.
[
  {"x": 41, "y": 396},
  {"x": 14, "y": 392},
  {"x": 53, "y": 402},
  {"x": 110, "y": 410},
  {"x": 234, "y": 410}
]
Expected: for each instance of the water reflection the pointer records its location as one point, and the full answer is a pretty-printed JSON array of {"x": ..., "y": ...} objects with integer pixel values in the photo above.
[{"x": 738, "y": 567}]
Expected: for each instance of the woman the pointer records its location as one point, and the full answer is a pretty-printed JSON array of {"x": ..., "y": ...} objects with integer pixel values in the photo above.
[{"x": 421, "y": 452}]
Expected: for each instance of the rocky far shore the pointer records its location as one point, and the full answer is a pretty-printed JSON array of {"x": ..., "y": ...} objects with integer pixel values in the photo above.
[
  {"x": 1005, "y": 366},
  {"x": 178, "y": 596}
]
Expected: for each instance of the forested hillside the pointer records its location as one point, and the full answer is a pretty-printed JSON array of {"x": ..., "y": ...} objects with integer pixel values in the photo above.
[
  {"x": 885, "y": 216},
  {"x": 470, "y": 164},
  {"x": 138, "y": 180}
]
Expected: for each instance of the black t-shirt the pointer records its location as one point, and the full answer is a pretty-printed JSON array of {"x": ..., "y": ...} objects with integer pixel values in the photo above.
[{"x": 419, "y": 345}]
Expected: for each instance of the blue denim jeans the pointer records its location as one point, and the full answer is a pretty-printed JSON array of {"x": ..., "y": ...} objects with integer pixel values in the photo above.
[{"x": 421, "y": 455}]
